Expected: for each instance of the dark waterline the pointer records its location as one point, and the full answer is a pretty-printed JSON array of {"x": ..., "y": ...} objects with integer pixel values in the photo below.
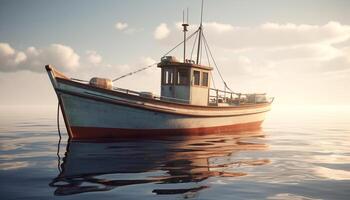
[{"x": 300, "y": 153}]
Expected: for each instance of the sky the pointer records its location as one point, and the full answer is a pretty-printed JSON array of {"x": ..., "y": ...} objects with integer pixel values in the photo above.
[{"x": 297, "y": 51}]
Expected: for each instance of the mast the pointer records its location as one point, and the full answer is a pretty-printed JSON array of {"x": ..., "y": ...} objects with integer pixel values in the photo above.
[
  {"x": 200, "y": 34},
  {"x": 184, "y": 30}
]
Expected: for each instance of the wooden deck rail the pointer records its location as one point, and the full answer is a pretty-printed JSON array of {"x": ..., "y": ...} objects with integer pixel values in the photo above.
[{"x": 222, "y": 96}]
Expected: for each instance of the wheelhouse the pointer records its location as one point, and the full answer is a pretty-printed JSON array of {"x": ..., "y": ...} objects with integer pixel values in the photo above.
[{"x": 184, "y": 82}]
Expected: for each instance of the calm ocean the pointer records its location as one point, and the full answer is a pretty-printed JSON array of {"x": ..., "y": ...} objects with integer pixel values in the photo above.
[{"x": 300, "y": 153}]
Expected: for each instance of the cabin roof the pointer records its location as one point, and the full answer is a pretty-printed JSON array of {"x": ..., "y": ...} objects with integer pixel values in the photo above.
[{"x": 181, "y": 64}]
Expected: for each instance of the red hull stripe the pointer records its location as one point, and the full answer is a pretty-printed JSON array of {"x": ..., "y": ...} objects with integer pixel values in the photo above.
[{"x": 100, "y": 133}]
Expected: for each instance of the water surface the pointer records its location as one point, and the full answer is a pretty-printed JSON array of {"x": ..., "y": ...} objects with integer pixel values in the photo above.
[{"x": 300, "y": 153}]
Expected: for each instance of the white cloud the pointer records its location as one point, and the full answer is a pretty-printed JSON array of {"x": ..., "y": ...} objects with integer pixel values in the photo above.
[
  {"x": 93, "y": 57},
  {"x": 6, "y": 49},
  {"x": 161, "y": 32},
  {"x": 125, "y": 28},
  {"x": 219, "y": 27},
  {"x": 276, "y": 35},
  {"x": 121, "y": 26},
  {"x": 63, "y": 57},
  {"x": 60, "y": 55},
  {"x": 284, "y": 46},
  {"x": 20, "y": 57},
  {"x": 271, "y": 35},
  {"x": 10, "y": 58}
]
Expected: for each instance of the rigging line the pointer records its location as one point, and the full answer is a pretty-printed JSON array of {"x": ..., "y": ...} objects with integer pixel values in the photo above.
[
  {"x": 194, "y": 43},
  {"x": 216, "y": 66},
  {"x": 200, "y": 58},
  {"x": 134, "y": 72},
  {"x": 144, "y": 68},
  {"x": 180, "y": 43},
  {"x": 208, "y": 59},
  {"x": 206, "y": 53},
  {"x": 59, "y": 140},
  {"x": 212, "y": 79}
]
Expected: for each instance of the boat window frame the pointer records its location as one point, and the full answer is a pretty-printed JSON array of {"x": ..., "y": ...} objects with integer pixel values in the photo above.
[
  {"x": 205, "y": 74},
  {"x": 168, "y": 76},
  {"x": 178, "y": 81},
  {"x": 196, "y": 79}
]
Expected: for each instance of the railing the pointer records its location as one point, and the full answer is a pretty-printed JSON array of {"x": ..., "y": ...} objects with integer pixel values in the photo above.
[{"x": 217, "y": 97}]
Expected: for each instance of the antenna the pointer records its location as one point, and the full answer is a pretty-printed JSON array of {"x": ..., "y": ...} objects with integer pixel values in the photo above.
[
  {"x": 185, "y": 25},
  {"x": 200, "y": 34}
]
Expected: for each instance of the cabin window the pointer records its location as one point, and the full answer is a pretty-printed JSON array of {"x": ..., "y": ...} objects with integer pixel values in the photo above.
[
  {"x": 182, "y": 77},
  {"x": 168, "y": 76},
  {"x": 205, "y": 77},
  {"x": 196, "y": 77}
]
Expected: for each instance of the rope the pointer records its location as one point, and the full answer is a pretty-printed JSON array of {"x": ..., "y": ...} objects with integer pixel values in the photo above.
[
  {"x": 134, "y": 72},
  {"x": 216, "y": 66},
  {"x": 212, "y": 79},
  {"x": 189, "y": 37},
  {"x": 194, "y": 43},
  {"x": 208, "y": 59},
  {"x": 60, "y": 137},
  {"x": 144, "y": 68},
  {"x": 206, "y": 48},
  {"x": 206, "y": 53}
]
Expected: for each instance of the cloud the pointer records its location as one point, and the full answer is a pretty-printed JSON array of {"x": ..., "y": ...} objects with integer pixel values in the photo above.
[
  {"x": 219, "y": 27},
  {"x": 93, "y": 57},
  {"x": 6, "y": 49},
  {"x": 161, "y": 32},
  {"x": 33, "y": 59},
  {"x": 301, "y": 48},
  {"x": 121, "y": 26},
  {"x": 125, "y": 28},
  {"x": 267, "y": 35},
  {"x": 276, "y": 35},
  {"x": 10, "y": 58}
]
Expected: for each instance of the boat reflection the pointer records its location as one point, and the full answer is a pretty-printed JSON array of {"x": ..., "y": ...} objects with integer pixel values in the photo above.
[{"x": 176, "y": 165}]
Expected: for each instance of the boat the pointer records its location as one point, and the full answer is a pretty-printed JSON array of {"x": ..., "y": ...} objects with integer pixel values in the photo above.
[{"x": 187, "y": 103}]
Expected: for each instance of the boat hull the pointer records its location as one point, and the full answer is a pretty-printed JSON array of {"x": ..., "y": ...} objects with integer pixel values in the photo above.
[
  {"x": 91, "y": 119},
  {"x": 93, "y": 113}
]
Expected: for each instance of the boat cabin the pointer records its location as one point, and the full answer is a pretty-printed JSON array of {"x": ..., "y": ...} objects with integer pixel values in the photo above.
[{"x": 184, "y": 82}]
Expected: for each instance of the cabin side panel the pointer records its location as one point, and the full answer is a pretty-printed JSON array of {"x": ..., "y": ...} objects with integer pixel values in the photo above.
[{"x": 199, "y": 96}]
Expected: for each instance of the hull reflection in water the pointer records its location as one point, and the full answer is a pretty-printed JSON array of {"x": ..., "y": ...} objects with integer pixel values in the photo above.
[{"x": 176, "y": 165}]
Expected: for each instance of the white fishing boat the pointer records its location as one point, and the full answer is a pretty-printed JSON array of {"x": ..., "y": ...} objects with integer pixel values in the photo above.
[{"x": 186, "y": 105}]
